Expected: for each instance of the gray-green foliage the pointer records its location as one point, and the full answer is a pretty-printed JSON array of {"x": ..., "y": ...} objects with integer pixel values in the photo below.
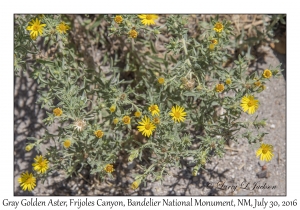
[{"x": 128, "y": 80}]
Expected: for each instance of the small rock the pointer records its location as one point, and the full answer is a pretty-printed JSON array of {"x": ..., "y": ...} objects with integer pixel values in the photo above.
[
  {"x": 195, "y": 179},
  {"x": 131, "y": 165},
  {"x": 263, "y": 174}
]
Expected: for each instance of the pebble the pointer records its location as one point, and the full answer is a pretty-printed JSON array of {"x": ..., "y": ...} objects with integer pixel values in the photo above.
[{"x": 131, "y": 165}]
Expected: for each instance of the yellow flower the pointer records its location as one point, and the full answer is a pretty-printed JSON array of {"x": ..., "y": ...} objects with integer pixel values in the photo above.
[
  {"x": 109, "y": 168},
  {"x": 99, "y": 133},
  {"x": 27, "y": 181},
  {"x": 126, "y": 120},
  {"x": 267, "y": 73},
  {"x": 138, "y": 114},
  {"x": 156, "y": 120},
  {"x": 154, "y": 109},
  {"x": 249, "y": 103},
  {"x": 218, "y": 27},
  {"x": 135, "y": 184},
  {"x": 118, "y": 19},
  {"x": 161, "y": 80},
  {"x": 228, "y": 81},
  {"x": 214, "y": 41},
  {"x": 62, "y": 28},
  {"x": 41, "y": 164},
  {"x": 265, "y": 151},
  {"x": 67, "y": 143},
  {"x": 36, "y": 28},
  {"x": 57, "y": 112},
  {"x": 146, "y": 127},
  {"x": 133, "y": 33},
  {"x": 257, "y": 83},
  {"x": 115, "y": 121},
  {"x": 211, "y": 47},
  {"x": 219, "y": 88},
  {"x": 148, "y": 19},
  {"x": 178, "y": 113},
  {"x": 112, "y": 108},
  {"x": 29, "y": 147}
]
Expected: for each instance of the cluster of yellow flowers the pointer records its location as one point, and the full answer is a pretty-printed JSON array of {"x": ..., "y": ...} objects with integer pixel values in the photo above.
[
  {"x": 28, "y": 180},
  {"x": 146, "y": 19},
  {"x": 36, "y": 28},
  {"x": 218, "y": 27},
  {"x": 250, "y": 104}
]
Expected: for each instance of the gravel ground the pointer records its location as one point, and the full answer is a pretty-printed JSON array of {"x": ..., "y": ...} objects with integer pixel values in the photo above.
[{"x": 223, "y": 176}]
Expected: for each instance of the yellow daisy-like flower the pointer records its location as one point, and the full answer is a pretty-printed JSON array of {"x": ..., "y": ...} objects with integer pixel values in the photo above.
[
  {"x": 156, "y": 120},
  {"x": 109, "y": 168},
  {"x": 161, "y": 80},
  {"x": 135, "y": 184},
  {"x": 67, "y": 143},
  {"x": 29, "y": 147},
  {"x": 36, "y": 28},
  {"x": 57, "y": 112},
  {"x": 133, "y": 33},
  {"x": 249, "y": 103},
  {"x": 115, "y": 121},
  {"x": 126, "y": 120},
  {"x": 220, "y": 88},
  {"x": 118, "y": 19},
  {"x": 177, "y": 113},
  {"x": 62, "y": 28},
  {"x": 211, "y": 47},
  {"x": 99, "y": 133},
  {"x": 218, "y": 27},
  {"x": 146, "y": 127},
  {"x": 257, "y": 83},
  {"x": 214, "y": 41},
  {"x": 154, "y": 109},
  {"x": 148, "y": 19},
  {"x": 27, "y": 181},
  {"x": 41, "y": 164},
  {"x": 265, "y": 151},
  {"x": 138, "y": 114},
  {"x": 267, "y": 73},
  {"x": 112, "y": 108},
  {"x": 228, "y": 81}
]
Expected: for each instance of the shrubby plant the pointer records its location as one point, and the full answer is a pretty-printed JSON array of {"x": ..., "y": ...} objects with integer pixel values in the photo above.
[{"x": 155, "y": 108}]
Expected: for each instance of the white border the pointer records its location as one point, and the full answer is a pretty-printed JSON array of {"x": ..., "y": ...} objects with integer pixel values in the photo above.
[{"x": 150, "y": 6}]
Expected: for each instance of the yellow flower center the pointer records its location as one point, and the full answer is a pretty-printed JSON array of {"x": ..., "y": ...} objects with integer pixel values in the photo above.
[
  {"x": 147, "y": 126},
  {"x": 177, "y": 114},
  {"x": 264, "y": 151},
  {"x": 29, "y": 180},
  {"x": 250, "y": 103},
  {"x": 42, "y": 164},
  {"x": 218, "y": 26},
  {"x": 149, "y": 17},
  {"x": 35, "y": 27},
  {"x": 152, "y": 108},
  {"x": 62, "y": 27}
]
